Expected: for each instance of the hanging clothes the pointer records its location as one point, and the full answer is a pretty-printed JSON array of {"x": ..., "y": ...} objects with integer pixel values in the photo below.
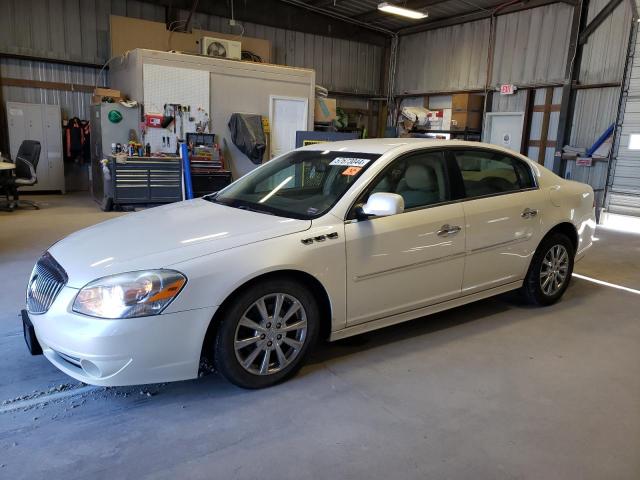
[
  {"x": 86, "y": 141},
  {"x": 74, "y": 138}
]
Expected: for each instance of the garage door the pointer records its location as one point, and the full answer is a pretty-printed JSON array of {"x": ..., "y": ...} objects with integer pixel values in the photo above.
[{"x": 624, "y": 191}]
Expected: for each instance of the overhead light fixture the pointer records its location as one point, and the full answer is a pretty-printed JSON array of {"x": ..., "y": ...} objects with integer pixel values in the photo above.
[{"x": 403, "y": 12}]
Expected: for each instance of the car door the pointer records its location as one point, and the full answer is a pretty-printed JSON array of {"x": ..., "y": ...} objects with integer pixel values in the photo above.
[
  {"x": 502, "y": 208},
  {"x": 403, "y": 262}
]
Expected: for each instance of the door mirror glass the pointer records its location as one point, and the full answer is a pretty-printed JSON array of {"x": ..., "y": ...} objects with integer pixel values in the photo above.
[{"x": 383, "y": 204}]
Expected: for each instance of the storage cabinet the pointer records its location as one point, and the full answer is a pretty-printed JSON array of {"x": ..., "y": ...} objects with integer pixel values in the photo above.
[
  {"x": 43, "y": 123},
  {"x": 206, "y": 183}
]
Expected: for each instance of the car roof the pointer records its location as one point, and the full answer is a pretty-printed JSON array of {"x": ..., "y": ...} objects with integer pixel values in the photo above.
[{"x": 384, "y": 145}]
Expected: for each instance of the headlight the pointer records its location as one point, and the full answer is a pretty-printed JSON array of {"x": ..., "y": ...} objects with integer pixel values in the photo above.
[{"x": 134, "y": 294}]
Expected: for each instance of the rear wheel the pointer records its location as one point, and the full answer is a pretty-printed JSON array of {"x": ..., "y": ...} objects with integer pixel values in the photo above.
[
  {"x": 266, "y": 333},
  {"x": 550, "y": 270}
]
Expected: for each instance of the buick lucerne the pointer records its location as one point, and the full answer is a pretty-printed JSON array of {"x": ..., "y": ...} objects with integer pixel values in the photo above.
[{"x": 324, "y": 242}]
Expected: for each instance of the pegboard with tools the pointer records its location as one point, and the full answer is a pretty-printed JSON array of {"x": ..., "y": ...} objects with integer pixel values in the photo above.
[{"x": 177, "y": 99}]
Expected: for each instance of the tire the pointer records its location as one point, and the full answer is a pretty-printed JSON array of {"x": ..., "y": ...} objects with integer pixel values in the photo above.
[
  {"x": 540, "y": 286},
  {"x": 247, "y": 332}
]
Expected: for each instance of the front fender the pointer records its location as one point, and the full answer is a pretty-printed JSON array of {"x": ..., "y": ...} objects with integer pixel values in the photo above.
[{"x": 212, "y": 278}]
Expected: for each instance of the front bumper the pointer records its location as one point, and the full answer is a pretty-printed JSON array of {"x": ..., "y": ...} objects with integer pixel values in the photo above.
[{"x": 159, "y": 348}]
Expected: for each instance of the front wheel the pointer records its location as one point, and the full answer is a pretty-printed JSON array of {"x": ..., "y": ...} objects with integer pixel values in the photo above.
[
  {"x": 550, "y": 270},
  {"x": 266, "y": 332}
]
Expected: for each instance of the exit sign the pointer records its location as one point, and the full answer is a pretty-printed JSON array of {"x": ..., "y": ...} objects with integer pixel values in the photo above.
[{"x": 507, "y": 89}]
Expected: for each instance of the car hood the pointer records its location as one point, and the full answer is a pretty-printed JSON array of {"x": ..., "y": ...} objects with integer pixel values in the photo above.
[{"x": 162, "y": 236}]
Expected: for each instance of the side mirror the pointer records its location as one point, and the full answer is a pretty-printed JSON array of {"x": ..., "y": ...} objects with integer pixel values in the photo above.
[{"x": 383, "y": 204}]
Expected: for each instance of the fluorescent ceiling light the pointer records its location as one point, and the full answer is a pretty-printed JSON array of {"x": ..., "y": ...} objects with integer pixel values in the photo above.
[{"x": 403, "y": 12}]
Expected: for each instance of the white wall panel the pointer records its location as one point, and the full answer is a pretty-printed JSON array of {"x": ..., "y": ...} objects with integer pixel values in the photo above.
[
  {"x": 446, "y": 59},
  {"x": 531, "y": 46},
  {"x": 604, "y": 53}
]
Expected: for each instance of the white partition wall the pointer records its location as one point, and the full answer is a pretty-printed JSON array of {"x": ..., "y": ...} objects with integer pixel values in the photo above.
[{"x": 227, "y": 87}]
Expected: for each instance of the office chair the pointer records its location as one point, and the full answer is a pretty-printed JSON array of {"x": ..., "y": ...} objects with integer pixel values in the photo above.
[{"x": 25, "y": 173}]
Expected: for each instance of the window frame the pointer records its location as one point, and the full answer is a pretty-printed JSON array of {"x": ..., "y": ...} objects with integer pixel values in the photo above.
[
  {"x": 452, "y": 155},
  {"x": 366, "y": 191},
  {"x": 457, "y": 191}
]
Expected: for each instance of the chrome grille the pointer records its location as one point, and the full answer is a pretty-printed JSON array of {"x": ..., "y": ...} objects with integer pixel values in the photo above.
[{"x": 47, "y": 279}]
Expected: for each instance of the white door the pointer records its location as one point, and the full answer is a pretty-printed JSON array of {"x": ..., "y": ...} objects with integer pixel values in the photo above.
[
  {"x": 502, "y": 217},
  {"x": 17, "y": 127},
  {"x": 34, "y": 130},
  {"x": 287, "y": 115},
  {"x": 504, "y": 129},
  {"x": 52, "y": 147},
  {"x": 407, "y": 261}
]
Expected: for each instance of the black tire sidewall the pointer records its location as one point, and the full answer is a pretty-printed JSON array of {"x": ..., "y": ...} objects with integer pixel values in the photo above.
[
  {"x": 532, "y": 289},
  {"x": 224, "y": 353}
]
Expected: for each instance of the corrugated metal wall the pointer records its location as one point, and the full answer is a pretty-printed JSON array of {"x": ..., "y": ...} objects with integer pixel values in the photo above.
[
  {"x": 531, "y": 48},
  {"x": 78, "y": 30},
  {"x": 603, "y": 59},
  {"x": 595, "y": 110},
  {"x": 604, "y": 53},
  {"x": 340, "y": 65},
  {"x": 73, "y": 104},
  {"x": 446, "y": 59},
  {"x": 510, "y": 103},
  {"x": 75, "y": 30},
  {"x": 531, "y": 45}
]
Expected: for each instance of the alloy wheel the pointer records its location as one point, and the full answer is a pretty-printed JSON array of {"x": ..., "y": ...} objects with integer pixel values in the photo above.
[
  {"x": 270, "y": 334},
  {"x": 554, "y": 270}
]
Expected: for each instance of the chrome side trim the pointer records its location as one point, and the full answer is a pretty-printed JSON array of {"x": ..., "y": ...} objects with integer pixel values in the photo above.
[
  {"x": 501, "y": 244},
  {"x": 410, "y": 266}
]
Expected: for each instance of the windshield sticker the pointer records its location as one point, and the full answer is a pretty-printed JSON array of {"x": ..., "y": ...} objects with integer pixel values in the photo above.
[
  {"x": 350, "y": 171},
  {"x": 312, "y": 211},
  {"x": 349, "y": 162}
]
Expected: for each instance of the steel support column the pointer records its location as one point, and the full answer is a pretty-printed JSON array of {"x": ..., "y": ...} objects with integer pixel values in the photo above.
[{"x": 572, "y": 72}]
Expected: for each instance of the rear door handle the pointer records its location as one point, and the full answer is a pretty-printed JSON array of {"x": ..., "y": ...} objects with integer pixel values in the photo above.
[
  {"x": 529, "y": 213},
  {"x": 448, "y": 230}
]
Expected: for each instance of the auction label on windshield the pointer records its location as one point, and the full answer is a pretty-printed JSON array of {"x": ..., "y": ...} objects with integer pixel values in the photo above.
[{"x": 349, "y": 162}]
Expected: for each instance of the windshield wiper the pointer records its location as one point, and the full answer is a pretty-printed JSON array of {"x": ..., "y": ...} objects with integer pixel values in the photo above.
[{"x": 245, "y": 207}]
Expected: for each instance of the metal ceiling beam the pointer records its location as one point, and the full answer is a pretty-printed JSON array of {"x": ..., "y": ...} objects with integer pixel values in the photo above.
[
  {"x": 290, "y": 15},
  {"x": 475, "y": 16},
  {"x": 602, "y": 15},
  {"x": 321, "y": 3}
]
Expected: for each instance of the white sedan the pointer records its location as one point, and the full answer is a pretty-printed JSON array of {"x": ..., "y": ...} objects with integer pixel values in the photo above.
[{"x": 326, "y": 241}]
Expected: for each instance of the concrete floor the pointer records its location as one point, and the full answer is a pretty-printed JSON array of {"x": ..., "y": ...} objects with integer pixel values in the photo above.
[{"x": 491, "y": 390}]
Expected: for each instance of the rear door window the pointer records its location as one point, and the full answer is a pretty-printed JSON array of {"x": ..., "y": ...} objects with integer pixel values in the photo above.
[{"x": 492, "y": 173}]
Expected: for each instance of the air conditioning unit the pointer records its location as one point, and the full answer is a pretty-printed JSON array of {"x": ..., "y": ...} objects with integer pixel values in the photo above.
[{"x": 221, "y": 48}]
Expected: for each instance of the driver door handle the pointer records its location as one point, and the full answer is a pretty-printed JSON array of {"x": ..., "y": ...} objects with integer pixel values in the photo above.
[
  {"x": 529, "y": 213},
  {"x": 448, "y": 230}
]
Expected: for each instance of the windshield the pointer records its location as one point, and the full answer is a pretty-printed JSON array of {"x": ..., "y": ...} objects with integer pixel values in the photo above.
[{"x": 299, "y": 184}]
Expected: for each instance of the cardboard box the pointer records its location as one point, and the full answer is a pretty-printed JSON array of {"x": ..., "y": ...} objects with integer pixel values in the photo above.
[
  {"x": 325, "y": 110},
  {"x": 462, "y": 120},
  {"x": 467, "y": 102},
  {"x": 106, "y": 92},
  {"x": 97, "y": 99}
]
